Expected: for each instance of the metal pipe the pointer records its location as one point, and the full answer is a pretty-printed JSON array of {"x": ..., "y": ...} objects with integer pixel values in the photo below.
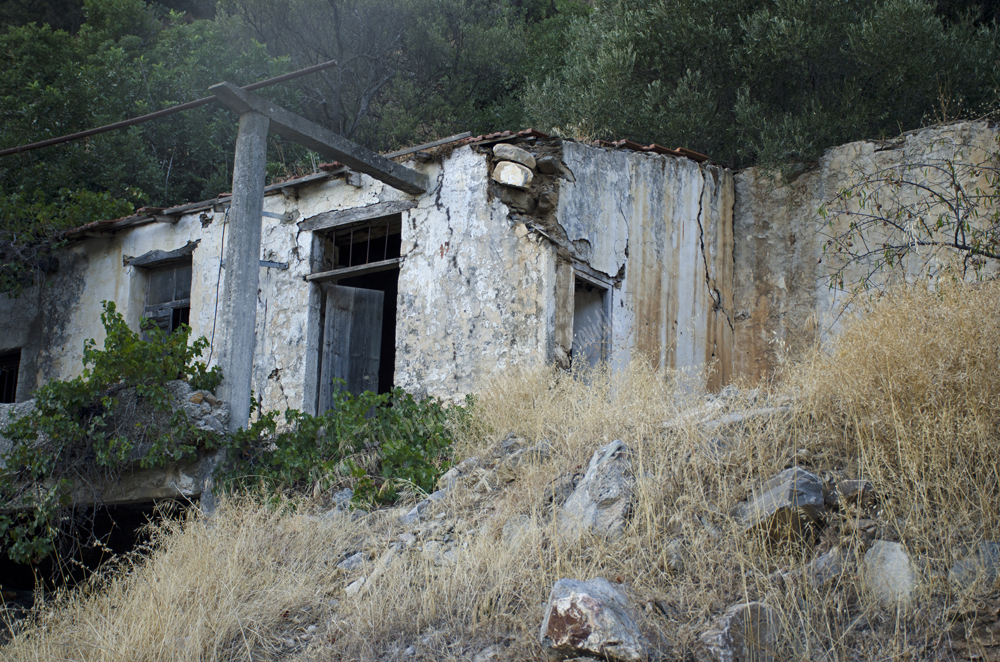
[{"x": 162, "y": 113}]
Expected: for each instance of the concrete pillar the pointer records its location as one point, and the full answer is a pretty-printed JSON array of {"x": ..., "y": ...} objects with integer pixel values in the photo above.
[{"x": 239, "y": 309}]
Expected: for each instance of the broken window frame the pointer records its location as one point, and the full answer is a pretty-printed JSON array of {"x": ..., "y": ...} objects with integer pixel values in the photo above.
[
  {"x": 374, "y": 231},
  {"x": 169, "y": 314}
]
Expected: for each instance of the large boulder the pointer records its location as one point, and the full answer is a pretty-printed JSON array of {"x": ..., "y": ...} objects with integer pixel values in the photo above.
[
  {"x": 785, "y": 504},
  {"x": 601, "y": 502},
  {"x": 746, "y": 631},
  {"x": 592, "y": 618},
  {"x": 889, "y": 575}
]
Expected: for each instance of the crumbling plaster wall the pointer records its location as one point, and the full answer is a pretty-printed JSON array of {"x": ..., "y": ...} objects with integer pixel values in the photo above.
[
  {"x": 474, "y": 287},
  {"x": 660, "y": 229},
  {"x": 784, "y": 301}
]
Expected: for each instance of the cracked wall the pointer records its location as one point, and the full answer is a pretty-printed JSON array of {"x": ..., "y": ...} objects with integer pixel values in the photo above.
[{"x": 659, "y": 229}]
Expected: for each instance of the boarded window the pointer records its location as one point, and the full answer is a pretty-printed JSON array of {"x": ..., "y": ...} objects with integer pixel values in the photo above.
[
  {"x": 168, "y": 297},
  {"x": 10, "y": 362}
]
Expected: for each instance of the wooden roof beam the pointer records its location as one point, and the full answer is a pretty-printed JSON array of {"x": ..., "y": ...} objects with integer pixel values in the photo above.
[{"x": 310, "y": 135}]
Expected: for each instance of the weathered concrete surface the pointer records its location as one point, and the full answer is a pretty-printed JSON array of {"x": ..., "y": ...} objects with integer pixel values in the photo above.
[
  {"x": 782, "y": 296},
  {"x": 592, "y": 618},
  {"x": 478, "y": 289},
  {"x": 661, "y": 227}
]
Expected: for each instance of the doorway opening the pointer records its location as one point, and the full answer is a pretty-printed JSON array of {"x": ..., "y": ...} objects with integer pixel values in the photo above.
[
  {"x": 591, "y": 323},
  {"x": 360, "y": 281}
]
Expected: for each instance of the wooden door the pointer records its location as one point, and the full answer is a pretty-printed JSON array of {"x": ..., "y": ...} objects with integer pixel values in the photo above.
[{"x": 352, "y": 342}]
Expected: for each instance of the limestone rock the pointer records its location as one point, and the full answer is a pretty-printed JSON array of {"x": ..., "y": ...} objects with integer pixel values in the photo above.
[
  {"x": 603, "y": 499},
  {"x": 508, "y": 152},
  {"x": 513, "y": 174},
  {"x": 785, "y": 504},
  {"x": 746, "y": 631},
  {"x": 981, "y": 564},
  {"x": 592, "y": 618},
  {"x": 889, "y": 574}
]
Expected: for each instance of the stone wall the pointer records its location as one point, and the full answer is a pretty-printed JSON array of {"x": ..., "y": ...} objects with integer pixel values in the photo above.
[{"x": 783, "y": 299}]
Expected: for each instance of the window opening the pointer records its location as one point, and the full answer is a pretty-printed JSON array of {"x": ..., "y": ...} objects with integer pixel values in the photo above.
[
  {"x": 168, "y": 297},
  {"x": 10, "y": 362},
  {"x": 376, "y": 240},
  {"x": 591, "y": 325}
]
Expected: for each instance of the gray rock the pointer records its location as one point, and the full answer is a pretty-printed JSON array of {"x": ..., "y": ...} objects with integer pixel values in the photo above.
[
  {"x": 352, "y": 562},
  {"x": 414, "y": 515},
  {"x": 603, "y": 499},
  {"x": 592, "y": 618},
  {"x": 452, "y": 477},
  {"x": 513, "y": 174},
  {"x": 746, "y": 631},
  {"x": 889, "y": 574},
  {"x": 488, "y": 654},
  {"x": 517, "y": 199},
  {"x": 547, "y": 201},
  {"x": 508, "y": 152},
  {"x": 826, "y": 568},
  {"x": 550, "y": 165},
  {"x": 785, "y": 504},
  {"x": 982, "y": 564}
]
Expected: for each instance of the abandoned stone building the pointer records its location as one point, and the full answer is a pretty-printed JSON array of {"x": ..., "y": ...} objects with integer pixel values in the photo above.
[
  {"x": 521, "y": 249},
  {"x": 525, "y": 249}
]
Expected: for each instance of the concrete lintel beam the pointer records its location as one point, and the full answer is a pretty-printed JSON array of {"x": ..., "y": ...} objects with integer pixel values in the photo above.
[{"x": 302, "y": 131}]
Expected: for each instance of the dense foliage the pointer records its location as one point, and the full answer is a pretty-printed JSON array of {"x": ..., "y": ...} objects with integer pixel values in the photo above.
[
  {"x": 380, "y": 445},
  {"x": 750, "y": 81},
  {"x": 84, "y": 432}
]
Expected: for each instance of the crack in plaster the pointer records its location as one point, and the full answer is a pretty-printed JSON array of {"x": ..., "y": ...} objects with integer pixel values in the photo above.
[{"x": 712, "y": 290}]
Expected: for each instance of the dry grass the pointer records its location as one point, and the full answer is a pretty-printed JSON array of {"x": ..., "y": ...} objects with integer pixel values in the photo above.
[{"x": 907, "y": 398}]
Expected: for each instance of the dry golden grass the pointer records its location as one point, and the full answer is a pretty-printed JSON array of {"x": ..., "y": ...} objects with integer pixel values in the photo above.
[{"x": 907, "y": 398}]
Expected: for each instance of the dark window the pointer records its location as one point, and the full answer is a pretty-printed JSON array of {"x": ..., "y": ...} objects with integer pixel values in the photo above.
[
  {"x": 372, "y": 241},
  {"x": 9, "y": 363},
  {"x": 168, "y": 297}
]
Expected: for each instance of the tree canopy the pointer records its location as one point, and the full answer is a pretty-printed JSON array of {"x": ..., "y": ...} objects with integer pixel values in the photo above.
[
  {"x": 745, "y": 81},
  {"x": 749, "y": 81}
]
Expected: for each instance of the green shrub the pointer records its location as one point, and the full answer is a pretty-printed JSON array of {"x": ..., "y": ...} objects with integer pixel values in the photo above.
[{"x": 379, "y": 444}]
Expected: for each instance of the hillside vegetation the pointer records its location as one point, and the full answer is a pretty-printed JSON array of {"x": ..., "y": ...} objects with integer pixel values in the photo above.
[{"x": 907, "y": 398}]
